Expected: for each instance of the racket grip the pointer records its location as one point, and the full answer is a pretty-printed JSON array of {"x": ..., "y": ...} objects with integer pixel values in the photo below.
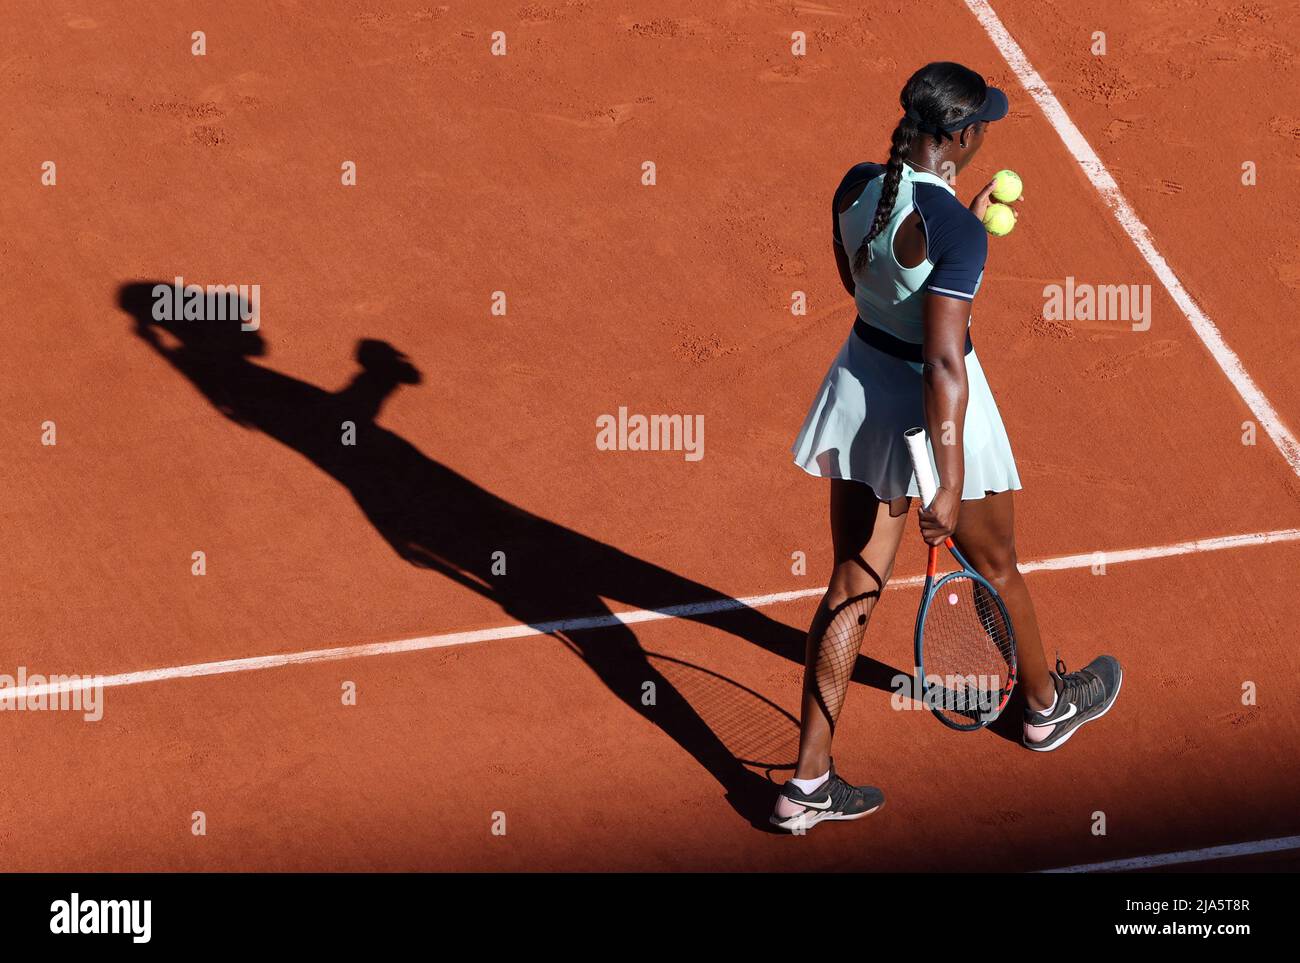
[{"x": 920, "y": 452}]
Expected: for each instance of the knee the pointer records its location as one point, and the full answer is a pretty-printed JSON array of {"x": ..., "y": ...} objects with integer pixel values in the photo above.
[
  {"x": 999, "y": 566},
  {"x": 851, "y": 580}
]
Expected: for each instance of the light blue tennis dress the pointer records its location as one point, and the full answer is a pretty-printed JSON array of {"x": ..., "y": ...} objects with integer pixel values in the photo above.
[{"x": 873, "y": 390}]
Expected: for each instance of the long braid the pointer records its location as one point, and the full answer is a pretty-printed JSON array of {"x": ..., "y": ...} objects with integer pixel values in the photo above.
[{"x": 900, "y": 146}]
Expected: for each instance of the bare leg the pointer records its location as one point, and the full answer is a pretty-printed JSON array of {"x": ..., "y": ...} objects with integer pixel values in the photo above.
[
  {"x": 865, "y": 533},
  {"x": 986, "y": 536}
]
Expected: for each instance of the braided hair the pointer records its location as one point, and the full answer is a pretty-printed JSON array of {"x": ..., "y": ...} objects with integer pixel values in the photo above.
[{"x": 937, "y": 95}]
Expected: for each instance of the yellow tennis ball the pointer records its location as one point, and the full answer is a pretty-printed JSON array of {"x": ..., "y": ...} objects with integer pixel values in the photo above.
[
  {"x": 999, "y": 220},
  {"x": 1007, "y": 186}
]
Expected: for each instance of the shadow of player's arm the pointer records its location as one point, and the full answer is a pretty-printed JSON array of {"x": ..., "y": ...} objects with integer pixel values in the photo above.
[{"x": 179, "y": 359}]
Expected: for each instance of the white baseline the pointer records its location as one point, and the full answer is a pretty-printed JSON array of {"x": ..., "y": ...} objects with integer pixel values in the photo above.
[{"x": 254, "y": 663}]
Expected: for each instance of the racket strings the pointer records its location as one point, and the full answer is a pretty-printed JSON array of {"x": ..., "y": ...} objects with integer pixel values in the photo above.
[
  {"x": 837, "y": 652},
  {"x": 969, "y": 652}
]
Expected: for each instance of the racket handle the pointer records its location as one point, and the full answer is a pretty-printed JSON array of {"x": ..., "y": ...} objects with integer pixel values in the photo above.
[{"x": 920, "y": 452}]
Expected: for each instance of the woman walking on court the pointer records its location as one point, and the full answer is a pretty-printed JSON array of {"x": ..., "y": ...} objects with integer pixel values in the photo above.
[{"x": 913, "y": 256}]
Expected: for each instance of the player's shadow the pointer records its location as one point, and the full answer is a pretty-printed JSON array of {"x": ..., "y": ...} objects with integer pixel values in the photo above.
[{"x": 437, "y": 519}]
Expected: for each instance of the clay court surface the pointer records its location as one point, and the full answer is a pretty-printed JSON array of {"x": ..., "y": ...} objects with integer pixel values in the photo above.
[{"x": 522, "y": 174}]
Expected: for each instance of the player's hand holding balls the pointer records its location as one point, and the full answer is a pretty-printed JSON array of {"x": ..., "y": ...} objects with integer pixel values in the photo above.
[{"x": 998, "y": 218}]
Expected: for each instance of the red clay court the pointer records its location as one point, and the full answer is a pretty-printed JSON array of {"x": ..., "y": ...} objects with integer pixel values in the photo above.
[{"x": 482, "y": 696}]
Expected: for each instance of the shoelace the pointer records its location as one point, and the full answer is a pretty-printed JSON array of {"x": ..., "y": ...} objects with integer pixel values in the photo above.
[
  {"x": 842, "y": 793},
  {"x": 1081, "y": 687}
]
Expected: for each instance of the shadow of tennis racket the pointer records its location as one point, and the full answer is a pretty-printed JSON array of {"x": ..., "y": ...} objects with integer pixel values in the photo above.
[{"x": 754, "y": 729}]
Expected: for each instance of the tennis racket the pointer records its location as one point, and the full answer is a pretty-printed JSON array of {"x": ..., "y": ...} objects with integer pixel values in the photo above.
[{"x": 965, "y": 647}]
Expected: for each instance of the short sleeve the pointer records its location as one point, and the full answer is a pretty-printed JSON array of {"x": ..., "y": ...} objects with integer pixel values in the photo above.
[
  {"x": 958, "y": 249},
  {"x": 857, "y": 176}
]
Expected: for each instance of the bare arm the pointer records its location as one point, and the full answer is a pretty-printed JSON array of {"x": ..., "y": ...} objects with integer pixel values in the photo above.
[
  {"x": 944, "y": 323},
  {"x": 843, "y": 258},
  {"x": 846, "y": 270},
  {"x": 945, "y": 391}
]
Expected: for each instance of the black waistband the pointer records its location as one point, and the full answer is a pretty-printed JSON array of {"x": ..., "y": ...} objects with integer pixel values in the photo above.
[{"x": 882, "y": 340}]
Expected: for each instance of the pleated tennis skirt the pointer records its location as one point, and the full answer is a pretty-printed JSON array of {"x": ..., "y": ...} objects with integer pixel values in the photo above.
[{"x": 854, "y": 429}]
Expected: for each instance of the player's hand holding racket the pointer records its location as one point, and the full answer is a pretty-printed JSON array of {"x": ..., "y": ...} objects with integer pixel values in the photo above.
[
  {"x": 939, "y": 517},
  {"x": 965, "y": 650}
]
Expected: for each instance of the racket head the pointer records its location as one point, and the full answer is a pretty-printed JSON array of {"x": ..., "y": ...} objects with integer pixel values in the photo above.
[{"x": 966, "y": 652}]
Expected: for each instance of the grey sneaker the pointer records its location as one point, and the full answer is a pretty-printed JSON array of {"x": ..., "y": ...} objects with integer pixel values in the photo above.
[
  {"x": 798, "y": 811},
  {"x": 1081, "y": 697}
]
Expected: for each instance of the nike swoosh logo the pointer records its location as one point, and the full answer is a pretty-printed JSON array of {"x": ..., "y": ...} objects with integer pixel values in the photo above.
[
  {"x": 816, "y": 805},
  {"x": 1069, "y": 715}
]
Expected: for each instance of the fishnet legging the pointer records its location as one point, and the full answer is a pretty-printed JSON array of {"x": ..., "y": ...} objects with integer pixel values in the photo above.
[{"x": 837, "y": 650}]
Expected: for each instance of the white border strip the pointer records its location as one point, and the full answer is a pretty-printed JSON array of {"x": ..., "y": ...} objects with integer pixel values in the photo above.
[
  {"x": 252, "y": 664},
  {"x": 1281, "y": 845},
  {"x": 1101, "y": 179}
]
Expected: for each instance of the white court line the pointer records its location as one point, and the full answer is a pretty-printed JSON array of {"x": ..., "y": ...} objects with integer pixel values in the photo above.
[
  {"x": 254, "y": 663},
  {"x": 1102, "y": 180},
  {"x": 1186, "y": 856}
]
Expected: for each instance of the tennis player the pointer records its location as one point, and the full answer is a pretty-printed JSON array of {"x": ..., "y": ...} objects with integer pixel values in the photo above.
[{"x": 913, "y": 256}]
